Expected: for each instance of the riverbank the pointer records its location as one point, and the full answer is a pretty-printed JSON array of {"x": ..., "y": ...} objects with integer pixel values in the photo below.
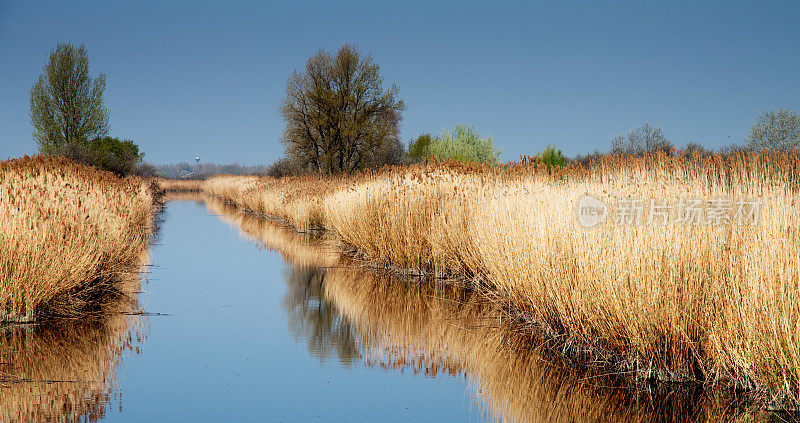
[
  {"x": 715, "y": 305},
  {"x": 442, "y": 330},
  {"x": 72, "y": 238},
  {"x": 179, "y": 185}
]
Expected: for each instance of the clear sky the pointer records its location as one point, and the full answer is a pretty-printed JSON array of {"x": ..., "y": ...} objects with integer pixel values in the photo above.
[{"x": 187, "y": 78}]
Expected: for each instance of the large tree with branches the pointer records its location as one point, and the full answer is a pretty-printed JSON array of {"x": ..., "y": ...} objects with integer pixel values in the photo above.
[
  {"x": 66, "y": 102},
  {"x": 775, "y": 130},
  {"x": 338, "y": 116}
]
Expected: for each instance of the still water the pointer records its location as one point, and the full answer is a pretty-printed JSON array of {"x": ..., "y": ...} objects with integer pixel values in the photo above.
[{"x": 247, "y": 320}]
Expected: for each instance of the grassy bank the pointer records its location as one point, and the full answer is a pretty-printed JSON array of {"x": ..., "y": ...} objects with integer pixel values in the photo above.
[
  {"x": 71, "y": 237},
  {"x": 179, "y": 185},
  {"x": 444, "y": 330},
  {"x": 718, "y": 305}
]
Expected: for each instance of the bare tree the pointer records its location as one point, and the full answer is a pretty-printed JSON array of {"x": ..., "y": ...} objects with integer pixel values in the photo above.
[
  {"x": 338, "y": 116},
  {"x": 776, "y": 130},
  {"x": 644, "y": 139}
]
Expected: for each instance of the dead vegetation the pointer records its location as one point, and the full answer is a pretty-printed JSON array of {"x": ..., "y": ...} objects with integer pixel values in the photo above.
[
  {"x": 71, "y": 237},
  {"x": 708, "y": 304}
]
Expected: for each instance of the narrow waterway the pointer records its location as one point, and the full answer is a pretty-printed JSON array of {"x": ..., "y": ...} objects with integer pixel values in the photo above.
[{"x": 247, "y": 320}]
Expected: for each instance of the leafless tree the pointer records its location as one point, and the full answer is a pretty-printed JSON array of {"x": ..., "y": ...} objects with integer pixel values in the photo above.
[{"x": 338, "y": 116}]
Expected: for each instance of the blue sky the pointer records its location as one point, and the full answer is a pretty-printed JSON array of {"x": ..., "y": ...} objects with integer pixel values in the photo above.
[{"x": 186, "y": 78}]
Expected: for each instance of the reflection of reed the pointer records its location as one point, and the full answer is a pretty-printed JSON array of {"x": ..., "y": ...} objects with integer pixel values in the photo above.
[
  {"x": 310, "y": 317},
  {"x": 437, "y": 329},
  {"x": 63, "y": 372},
  {"x": 184, "y": 196},
  {"x": 299, "y": 249}
]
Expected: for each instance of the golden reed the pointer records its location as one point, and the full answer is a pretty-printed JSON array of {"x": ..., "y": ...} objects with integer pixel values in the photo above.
[
  {"x": 717, "y": 305},
  {"x": 439, "y": 330},
  {"x": 71, "y": 237},
  {"x": 179, "y": 185}
]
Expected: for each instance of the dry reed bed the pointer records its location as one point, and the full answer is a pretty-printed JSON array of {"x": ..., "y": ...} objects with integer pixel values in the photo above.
[
  {"x": 712, "y": 304},
  {"x": 179, "y": 185},
  {"x": 71, "y": 237},
  {"x": 443, "y": 330},
  {"x": 296, "y": 199}
]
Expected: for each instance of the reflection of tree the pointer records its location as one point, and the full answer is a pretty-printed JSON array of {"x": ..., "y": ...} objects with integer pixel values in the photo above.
[{"x": 311, "y": 317}]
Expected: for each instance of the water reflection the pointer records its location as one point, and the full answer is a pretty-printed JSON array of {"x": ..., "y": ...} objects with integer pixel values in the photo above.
[
  {"x": 64, "y": 371},
  {"x": 432, "y": 329},
  {"x": 342, "y": 313},
  {"x": 312, "y": 256},
  {"x": 311, "y": 317}
]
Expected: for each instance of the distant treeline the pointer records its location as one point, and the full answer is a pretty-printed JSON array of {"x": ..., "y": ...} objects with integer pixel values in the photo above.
[
  {"x": 339, "y": 120},
  {"x": 204, "y": 170}
]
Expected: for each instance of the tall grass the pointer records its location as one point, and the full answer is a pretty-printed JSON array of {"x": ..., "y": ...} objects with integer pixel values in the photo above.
[
  {"x": 178, "y": 185},
  {"x": 71, "y": 237},
  {"x": 441, "y": 330},
  {"x": 711, "y": 304},
  {"x": 296, "y": 199}
]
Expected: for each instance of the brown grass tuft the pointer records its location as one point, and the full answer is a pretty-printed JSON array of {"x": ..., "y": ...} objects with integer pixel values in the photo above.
[{"x": 71, "y": 236}]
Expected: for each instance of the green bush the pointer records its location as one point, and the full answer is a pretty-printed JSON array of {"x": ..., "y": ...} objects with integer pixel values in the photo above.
[
  {"x": 552, "y": 157},
  {"x": 107, "y": 153},
  {"x": 114, "y": 155},
  {"x": 464, "y": 144},
  {"x": 419, "y": 148}
]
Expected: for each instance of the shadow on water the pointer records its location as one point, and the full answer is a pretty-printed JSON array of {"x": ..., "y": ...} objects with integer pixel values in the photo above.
[{"x": 439, "y": 330}]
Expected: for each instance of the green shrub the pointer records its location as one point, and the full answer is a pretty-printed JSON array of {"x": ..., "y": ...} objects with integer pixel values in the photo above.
[
  {"x": 107, "y": 153},
  {"x": 464, "y": 144},
  {"x": 552, "y": 157},
  {"x": 419, "y": 148},
  {"x": 114, "y": 155}
]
